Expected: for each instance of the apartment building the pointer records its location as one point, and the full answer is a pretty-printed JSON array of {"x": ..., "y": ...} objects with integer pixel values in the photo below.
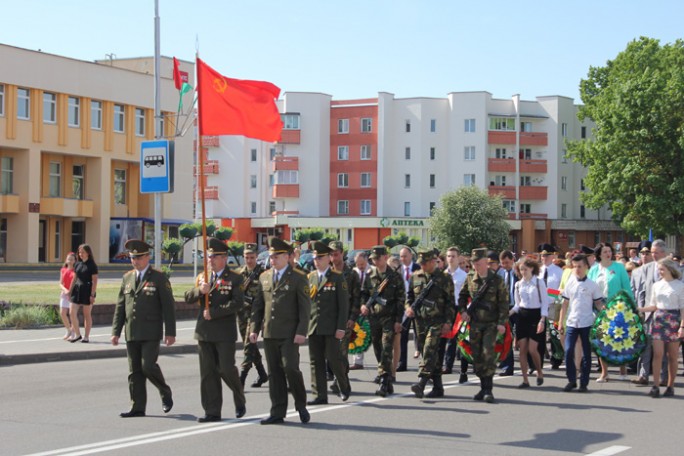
[{"x": 70, "y": 135}]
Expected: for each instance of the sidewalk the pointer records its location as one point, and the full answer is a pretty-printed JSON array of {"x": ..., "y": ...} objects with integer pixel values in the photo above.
[{"x": 24, "y": 346}]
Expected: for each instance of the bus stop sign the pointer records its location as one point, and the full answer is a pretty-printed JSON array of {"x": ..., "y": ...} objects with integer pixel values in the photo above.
[{"x": 156, "y": 166}]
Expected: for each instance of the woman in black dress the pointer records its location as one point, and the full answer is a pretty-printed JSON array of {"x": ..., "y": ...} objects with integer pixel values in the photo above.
[{"x": 82, "y": 293}]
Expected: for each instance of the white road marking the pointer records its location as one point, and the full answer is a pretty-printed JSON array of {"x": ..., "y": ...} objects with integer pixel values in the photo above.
[
  {"x": 92, "y": 335},
  {"x": 611, "y": 450}
]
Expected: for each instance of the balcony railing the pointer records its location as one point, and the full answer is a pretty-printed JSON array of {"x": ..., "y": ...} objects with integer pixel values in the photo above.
[
  {"x": 283, "y": 163},
  {"x": 210, "y": 167},
  {"x": 9, "y": 204},
  {"x": 526, "y": 138},
  {"x": 507, "y": 165},
  {"x": 290, "y": 137},
  {"x": 286, "y": 191},
  {"x": 66, "y": 207}
]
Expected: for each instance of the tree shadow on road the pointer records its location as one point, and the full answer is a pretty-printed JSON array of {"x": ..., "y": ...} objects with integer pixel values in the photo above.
[
  {"x": 387, "y": 430},
  {"x": 386, "y": 406},
  {"x": 570, "y": 440}
]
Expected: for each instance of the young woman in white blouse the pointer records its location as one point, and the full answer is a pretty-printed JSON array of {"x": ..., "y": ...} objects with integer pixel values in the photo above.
[
  {"x": 532, "y": 309},
  {"x": 667, "y": 301}
]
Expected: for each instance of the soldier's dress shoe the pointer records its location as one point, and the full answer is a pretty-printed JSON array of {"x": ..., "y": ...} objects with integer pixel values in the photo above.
[
  {"x": 354, "y": 367},
  {"x": 479, "y": 396},
  {"x": 344, "y": 395},
  {"x": 506, "y": 373},
  {"x": 272, "y": 420},
  {"x": 462, "y": 378},
  {"x": 335, "y": 388},
  {"x": 401, "y": 368},
  {"x": 167, "y": 404},
  {"x": 304, "y": 416},
  {"x": 261, "y": 379},
  {"x": 489, "y": 397},
  {"x": 131, "y": 414},
  {"x": 317, "y": 401},
  {"x": 240, "y": 411},
  {"x": 377, "y": 379},
  {"x": 208, "y": 419}
]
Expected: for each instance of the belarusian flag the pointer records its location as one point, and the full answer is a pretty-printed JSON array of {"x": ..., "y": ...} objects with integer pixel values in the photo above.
[{"x": 553, "y": 293}]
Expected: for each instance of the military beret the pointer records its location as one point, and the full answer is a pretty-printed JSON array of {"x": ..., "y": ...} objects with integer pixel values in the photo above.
[
  {"x": 216, "y": 247},
  {"x": 276, "y": 245},
  {"x": 587, "y": 250},
  {"x": 426, "y": 255},
  {"x": 478, "y": 254},
  {"x": 378, "y": 251},
  {"x": 492, "y": 257},
  {"x": 250, "y": 248},
  {"x": 336, "y": 245},
  {"x": 546, "y": 249},
  {"x": 136, "y": 247},
  {"x": 320, "y": 249}
]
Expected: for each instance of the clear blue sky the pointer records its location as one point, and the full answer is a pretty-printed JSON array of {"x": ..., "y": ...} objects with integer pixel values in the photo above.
[{"x": 355, "y": 49}]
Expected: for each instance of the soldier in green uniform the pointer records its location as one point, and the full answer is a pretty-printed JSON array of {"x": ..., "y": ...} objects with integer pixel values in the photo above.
[
  {"x": 216, "y": 333},
  {"x": 354, "y": 289},
  {"x": 145, "y": 303},
  {"x": 329, "y": 313},
  {"x": 282, "y": 310},
  {"x": 434, "y": 313},
  {"x": 385, "y": 308},
  {"x": 487, "y": 317},
  {"x": 250, "y": 284}
]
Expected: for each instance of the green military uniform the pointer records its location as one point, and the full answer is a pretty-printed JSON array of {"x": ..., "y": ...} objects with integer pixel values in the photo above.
[
  {"x": 144, "y": 307},
  {"x": 329, "y": 313},
  {"x": 431, "y": 314},
  {"x": 386, "y": 310},
  {"x": 252, "y": 356},
  {"x": 216, "y": 337},
  {"x": 491, "y": 311},
  {"x": 282, "y": 310}
]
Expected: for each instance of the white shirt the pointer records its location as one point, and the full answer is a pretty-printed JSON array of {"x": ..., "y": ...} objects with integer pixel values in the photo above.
[
  {"x": 458, "y": 277},
  {"x": 668, "y": 295},
  {"x": 531, "y": 294},
  {"x": 406, "y": 271},
  {"x": 141, "y": 274},
  {"x": 553, "y": 278},
  {"x": 581, "y": 296}
]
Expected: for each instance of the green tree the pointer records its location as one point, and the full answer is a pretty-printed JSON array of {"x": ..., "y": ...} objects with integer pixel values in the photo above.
[
  {"x": 635, "y": 158},
  {"x": 469, "y": 218}
]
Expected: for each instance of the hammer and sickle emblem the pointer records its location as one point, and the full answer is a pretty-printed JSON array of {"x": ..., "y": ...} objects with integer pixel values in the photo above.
[{"x": 220, "y": 85}]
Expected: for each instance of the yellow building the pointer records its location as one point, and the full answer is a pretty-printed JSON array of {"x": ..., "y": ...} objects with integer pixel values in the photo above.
[{"x": 70, "y": 134}]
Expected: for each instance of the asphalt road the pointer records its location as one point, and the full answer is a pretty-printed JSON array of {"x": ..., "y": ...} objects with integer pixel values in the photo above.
[{"x": 72, "y": 408}]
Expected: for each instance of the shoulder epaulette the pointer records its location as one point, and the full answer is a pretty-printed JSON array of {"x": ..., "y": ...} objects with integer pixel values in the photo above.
[
  {"x": 336, "y": 272},
  {"x": 300, "y": 272}
]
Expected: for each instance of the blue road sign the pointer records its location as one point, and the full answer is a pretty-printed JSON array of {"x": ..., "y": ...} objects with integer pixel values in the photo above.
[{"x": 156, "y": 166}]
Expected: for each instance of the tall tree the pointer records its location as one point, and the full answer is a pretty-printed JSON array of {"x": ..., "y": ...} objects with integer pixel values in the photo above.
[
  {"x": 635, "y": 159},
  {"x": 469, "y": 218}
]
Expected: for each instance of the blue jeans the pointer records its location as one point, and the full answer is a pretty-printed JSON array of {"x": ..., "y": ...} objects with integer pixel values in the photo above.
[{"x": 571, "y": 335}]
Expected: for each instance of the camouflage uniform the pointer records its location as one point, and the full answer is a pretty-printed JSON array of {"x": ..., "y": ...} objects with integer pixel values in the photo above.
[
  {"x": 436, "y": 310},
  {"x": 492, "y": 311},
  {"x": 250, "y": 284},
  {"x": 354, "y": 288}
]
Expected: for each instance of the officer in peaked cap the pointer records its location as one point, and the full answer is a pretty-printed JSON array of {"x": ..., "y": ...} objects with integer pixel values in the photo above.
[
  {"x": 277, "y": 245},
  {"x": 136, "y": 247},
  {"x": 216, "y": 247},
  {"x": 546, "y": 249},
  {"x": 378, "y": 251}
]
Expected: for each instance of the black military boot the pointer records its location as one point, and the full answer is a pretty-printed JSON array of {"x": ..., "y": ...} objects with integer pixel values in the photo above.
[
  {"x": 480, "y": 395},
  {"x": 437, "y": 387},
  {"x": 390, "y": 384},
  {"x": 384, "y": 386},
  {"x": 243, "y": 375},
  {"x": 488, "y": 396},
  {"x": 419, "y": 387},
  {"x": 262, "y": 378}
]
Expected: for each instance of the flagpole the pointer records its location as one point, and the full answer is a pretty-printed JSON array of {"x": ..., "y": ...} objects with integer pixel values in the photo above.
[{"x": 200, "y": 179}]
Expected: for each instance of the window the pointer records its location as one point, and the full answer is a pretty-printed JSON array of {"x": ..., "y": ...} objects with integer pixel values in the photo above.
[
  {"x": 252, "y": 207},
  {"x": 433, "y": 125},
  {"x": 502, "y": 123},
  {"x": 161, "y": 127},
  {"x": 525, "y": 208},
  {"x": 23, "y": 104},
  {"x": 365, "y": 152},
  {"x": 500, "y": 181},
  {"x": 253, "y": 154},
  {"x": 564, "y": 158},
  {"x": 609, "y": 237},
  {"x": 118, "y": 118},
  {"x": 96, "y": 115},
  {"x": 74, "y": 113},
  {"x": 597, "y": 237},
  {"x": 526, "y": 127},
  {"x": 342, "y": 207},
  {"x": 365, "y": 179},
  {"x": 469, "y": 180},
  {"x": 55, "y": 179},
  {"x": 58, "y": 239},
  {"x": 564, "y": 130},
  {"x": 290, "y": 121},
  {"x": 343, "y": 152},
  {"x": 408, "y": 126},
  {"x": 571, "y": 239},
  {"x": 407, "y": 180},
  {"x": 287, "y": 177},
  {"x": 252, "y": 181},
  {"x": 525, "y": 181},
  {"x": 564, "y": 183},
  {"x": 271, "y": 180},
  {"x": 583, "y": 132},
  {"x": 272, "y": 153},
  {"x": 501, "y": 152},
  {"x": 119, "y": 186},
  {"x": 271, "y": 207},
  {"x": 49, "y": 107},
  {"x": 581, "y": 184},
  {"x": 469, "y": 153},
  {"x": 564, "y": 210},
  {"x": 342, "y": 180},
  {"x": 432, "y": 181},
  {"x": 2, "y": 100},
  {"x": 343, "y": 126},
  {"x": 407, "y": 153},
  {"x": 407, "y": 209},
  {"x": 77, "y": 175},
  {"x": 3, "y": 238},
  {"x": 509, "y": 205},
  {"x": 432, "y": 153},
  {"x": 525, "y": 154},
  {"x": 469, "y": 125},
  {"x": 583, "y": 212},
  {"x": 139, "y": 122},
  {"x": 6, "y": 175},
  {"x": 366, "y": 125},
  {"x": 432, "y": 207},
  {"x": 365, "y": 207}
]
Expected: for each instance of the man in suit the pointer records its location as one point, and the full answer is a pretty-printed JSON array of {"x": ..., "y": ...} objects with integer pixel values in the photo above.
[
  {"x": 328, "y": 324},
  {"x": 282, "y": 310},
  {"x": 145, "y": 307},
  {"x": 506, "y": 272},
  {"x": 219, "y": 298},
  {"x": 551, "y": 275},
  {"x": 408, "y": 267}
]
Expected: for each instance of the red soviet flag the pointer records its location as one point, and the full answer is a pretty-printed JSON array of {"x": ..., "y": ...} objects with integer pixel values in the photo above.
[
  {"x": 177, "y": 79},
  {"x": 237, "y": 107}
]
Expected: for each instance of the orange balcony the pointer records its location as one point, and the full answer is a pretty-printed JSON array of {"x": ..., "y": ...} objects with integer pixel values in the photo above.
[
  {"x": 290, "y": 137},
  {"x": 527, "y": 216},
  {"x": 533, "y": 166},
  {"x": 528, "y": 192},
  {"x": 9, "y": 204},
  {"x": 210, "y": 141},
  {"x": 286, "y": 163},
  {"x": 285, "y": 213},
  {"x": 210, "y": 167},
  {"x": 286, "y": 191},
  {"x": 211, "y": 193},
  {"x": 507, "y": 192},
  {"x": 501, "y": 165},
  {"x": 526, "y": 138}
]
